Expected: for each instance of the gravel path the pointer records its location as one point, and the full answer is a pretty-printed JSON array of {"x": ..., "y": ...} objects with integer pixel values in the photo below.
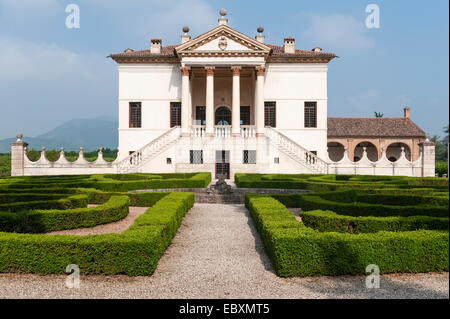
[
  {"x": 115, "y": 227},
  {"x": 295, "y": 212},
  {"x": 217, "y": 253}
]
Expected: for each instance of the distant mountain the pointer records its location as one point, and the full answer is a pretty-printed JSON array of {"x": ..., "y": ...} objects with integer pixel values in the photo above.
[{"x": 89, "y": 133}]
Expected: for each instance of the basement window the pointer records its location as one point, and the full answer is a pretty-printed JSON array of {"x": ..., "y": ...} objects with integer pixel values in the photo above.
[
  {"x": 196, "y": 156},
  {"x": 311, "y": 158},
  {"x": 249, "y": 157}
]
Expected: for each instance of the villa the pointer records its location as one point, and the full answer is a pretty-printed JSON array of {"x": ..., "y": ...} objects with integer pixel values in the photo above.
[{"x": 227, "y": 103}]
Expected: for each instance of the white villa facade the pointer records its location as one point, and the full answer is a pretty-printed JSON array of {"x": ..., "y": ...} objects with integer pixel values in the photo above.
[{"x": 227, "y": 103}]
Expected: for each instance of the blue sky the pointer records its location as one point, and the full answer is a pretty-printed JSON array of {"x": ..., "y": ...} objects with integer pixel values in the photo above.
[{"x": 50, "y": 74}]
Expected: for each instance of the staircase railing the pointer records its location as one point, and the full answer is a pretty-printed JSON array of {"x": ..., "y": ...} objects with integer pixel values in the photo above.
[
  {"x": 299, "y": 153},
  {"x": 142, "y": 155}
]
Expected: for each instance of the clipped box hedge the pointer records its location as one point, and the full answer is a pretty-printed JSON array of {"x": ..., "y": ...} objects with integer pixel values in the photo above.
[
  {"x": 334, "y": 182},
  {"x": 42, "y": 221},
  {"x": 134, "y": 252},
  {"x": 95, "y": 196},
  {"x": 314, "y": 202},
  {"x": 297, "y": 250},
  {"x": 113, "y": 183},
  {"x": 73, "y": 201},
  {"x": 328, "y": 221}
]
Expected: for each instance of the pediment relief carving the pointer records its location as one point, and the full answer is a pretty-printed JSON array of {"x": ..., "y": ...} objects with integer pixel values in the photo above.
[{"x": 225, "y": 41}]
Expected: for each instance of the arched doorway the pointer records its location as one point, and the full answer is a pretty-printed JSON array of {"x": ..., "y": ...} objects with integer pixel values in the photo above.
[
  {"x": 335, "y": 151},
  {"x": 372, "y": 151},
  {"x": 223, "y": 116},
  {"x": 394, "y": 151}
]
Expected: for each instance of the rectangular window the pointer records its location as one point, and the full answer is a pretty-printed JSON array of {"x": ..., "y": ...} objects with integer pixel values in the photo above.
[
  {"x": 270, "y": 114},
  {"x": 245, "y": 115},
  {"x": 276, "y": 160},
  {"x": 200, "y": 115},
  {"x": 310, "y": 114},
  {"x": 175, "y": 114},
  {"x": 196, "y": 157},
  {"x": 135, "y": 114},
  {"x": 249, "y": 157}
]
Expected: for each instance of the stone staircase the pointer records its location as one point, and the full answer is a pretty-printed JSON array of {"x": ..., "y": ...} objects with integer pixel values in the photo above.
[
  {"x": 297, "y": 152},
  {"x": 133, "y": 162}
]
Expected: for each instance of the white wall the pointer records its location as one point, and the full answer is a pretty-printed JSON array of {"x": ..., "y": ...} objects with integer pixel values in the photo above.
[
  {"x": 155, "y": 86},
  {"x": 291, "y": 85}
]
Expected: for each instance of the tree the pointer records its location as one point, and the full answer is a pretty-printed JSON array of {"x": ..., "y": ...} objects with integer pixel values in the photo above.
[
  {"x": 441, "y": 146},
  {"x": 378, "y": 114}
]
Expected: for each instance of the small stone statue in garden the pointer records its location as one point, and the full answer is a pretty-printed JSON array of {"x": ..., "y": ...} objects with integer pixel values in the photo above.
[{"x": 221, "y": 186}]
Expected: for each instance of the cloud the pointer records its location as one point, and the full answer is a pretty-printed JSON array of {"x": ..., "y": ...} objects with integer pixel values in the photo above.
[
  {"x": 158, "y": 18},
  {"x": 29, "y": 6},
  {"x": 338, "y": 31},
  {"x": 365, "y": 102},
  {"x": 22, "y": 60},
  {"x": 43, "y": 85},
  {"x": 197, "y": 14}
]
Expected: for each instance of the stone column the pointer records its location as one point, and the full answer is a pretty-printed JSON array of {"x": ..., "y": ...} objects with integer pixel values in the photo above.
[
  {"x": 209, "y": 100},
  {"x": 236, "y": 103},
  {"x": 428, "y": 158},
  {"x": 185, "y": 105},
  {"x": 18, "y": 156},
  {"x": 259, "y": 103}
]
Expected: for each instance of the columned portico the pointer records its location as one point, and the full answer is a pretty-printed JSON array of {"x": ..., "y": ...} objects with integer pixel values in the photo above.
[
  {"x": 209, "y": 91},
  {"x": 236, "y": 102},
  {"x": 209, "y": 100}
]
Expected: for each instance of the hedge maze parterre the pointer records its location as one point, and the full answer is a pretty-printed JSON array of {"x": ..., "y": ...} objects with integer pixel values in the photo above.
[
  {"x": 31, "y": 206},
  {"x": 400, "y": 224}
]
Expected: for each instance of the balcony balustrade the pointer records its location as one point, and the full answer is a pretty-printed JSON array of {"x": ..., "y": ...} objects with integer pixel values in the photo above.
[{"x": 224, "y": 131}]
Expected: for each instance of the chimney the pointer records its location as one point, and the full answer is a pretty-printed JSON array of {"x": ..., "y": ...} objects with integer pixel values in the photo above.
[
  {"x": 289, "y": 45},
  {"x": 406, "y": 112},
  {"x": 185, "y": 37},
  {"x": 222, "y": 19},
  {"x": 260, "y": 37},
  {"x": 155, "y": 46}
]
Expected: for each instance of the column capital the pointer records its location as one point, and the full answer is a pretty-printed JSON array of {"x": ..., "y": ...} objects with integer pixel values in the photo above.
[
  {"x": 260, "y": 70},
  {"x": 185, "y": 70},
  {"x": 209, "y": 70},
  {"x": 236, "y": 70}
]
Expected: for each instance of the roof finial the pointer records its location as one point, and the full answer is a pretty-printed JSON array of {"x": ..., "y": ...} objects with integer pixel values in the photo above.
[
  {"x": 260, "y": 37},
  {"x": 222, "y": 19},
  {"x": 185, "y": 37}
]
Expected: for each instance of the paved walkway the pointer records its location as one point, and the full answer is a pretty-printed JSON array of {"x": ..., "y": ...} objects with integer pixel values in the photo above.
[{"x": 217, "y": 253}]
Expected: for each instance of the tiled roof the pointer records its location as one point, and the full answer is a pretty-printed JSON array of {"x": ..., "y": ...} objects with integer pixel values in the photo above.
[
  {"x": 279, "y": 51},
  {"x": 373, "y": 127},
  {"x": 168, "y": 51}
]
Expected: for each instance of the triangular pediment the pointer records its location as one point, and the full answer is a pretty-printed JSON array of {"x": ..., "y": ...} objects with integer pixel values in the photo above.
[{"x": 224, "y": 40}]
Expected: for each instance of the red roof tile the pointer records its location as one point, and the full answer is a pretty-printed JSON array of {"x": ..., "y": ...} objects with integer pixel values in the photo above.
[
  {"x": 279, "y": 51},
  {"x": 373, "y": 127},
  {"x": 166, "y": 51}
]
